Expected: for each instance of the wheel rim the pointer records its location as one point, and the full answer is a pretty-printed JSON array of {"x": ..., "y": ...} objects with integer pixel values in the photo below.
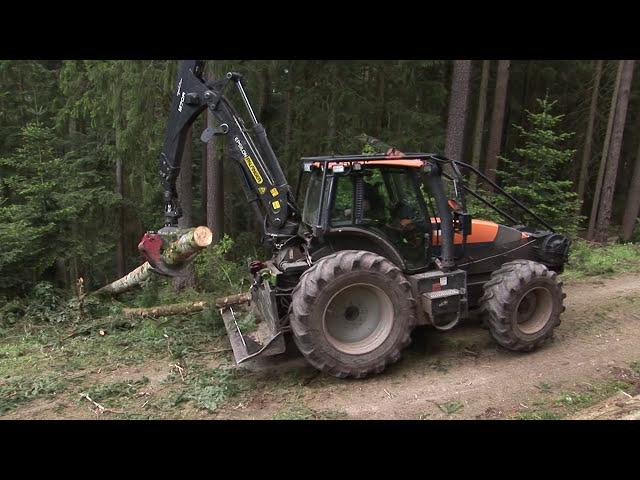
[
  {"x": 358, "y": 318},
  {"x": 534, "y": 310}
]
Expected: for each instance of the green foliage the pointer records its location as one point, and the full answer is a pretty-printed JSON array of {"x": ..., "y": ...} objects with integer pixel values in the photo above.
[
  {"x": 216, "y": 272},
  {"x": 247, "y": 323},
  {"x": 114, "y": 392},
  {"x": 65, "y": 124},
  {"x": 450, "y": 407},
  {"x": 46, "y": 200},
  {"x": 20, "y": 390},
  {"x": 587, "y": 259},
  {"x": 211, "y": 388},
  {"x": 536, "y": 173}
]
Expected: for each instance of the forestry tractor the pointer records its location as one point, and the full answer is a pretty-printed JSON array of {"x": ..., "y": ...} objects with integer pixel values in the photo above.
[{"x": 383, "y": 243}]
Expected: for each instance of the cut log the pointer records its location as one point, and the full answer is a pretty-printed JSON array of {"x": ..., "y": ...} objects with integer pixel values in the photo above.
[
  {"x": 127, "y": 282},
  {"x": 166, "y": 310},
  {"x": 233, "y": 300},
  {"x": 182, "y": 246},
  {"x": 186, "y": 245},
  {"x": 187, "y": 307}
]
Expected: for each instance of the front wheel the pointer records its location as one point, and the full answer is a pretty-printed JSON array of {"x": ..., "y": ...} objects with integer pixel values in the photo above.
[
  {"x": 352, "y": 313},
  {"x": 522, "y": 304}
]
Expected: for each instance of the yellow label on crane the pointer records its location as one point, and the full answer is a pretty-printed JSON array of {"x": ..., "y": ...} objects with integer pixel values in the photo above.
[
  {"x": 276, "y": 205},
  {"x": 261, "y": 190},
  {"x": 253, "y": 169},
  {"x": 274, "y": 192}
]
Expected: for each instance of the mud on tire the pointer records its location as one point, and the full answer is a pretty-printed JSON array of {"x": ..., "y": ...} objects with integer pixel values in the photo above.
[
  {"x": 521, "y": 305},
  {"x": 352, "y": 313}
]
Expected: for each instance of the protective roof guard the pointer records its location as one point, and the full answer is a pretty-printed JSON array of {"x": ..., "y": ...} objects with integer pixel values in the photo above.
[{"x": 417, "y": 160}]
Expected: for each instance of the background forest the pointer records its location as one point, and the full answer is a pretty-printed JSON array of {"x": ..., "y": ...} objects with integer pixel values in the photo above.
[{"x": 79, "y": 142}]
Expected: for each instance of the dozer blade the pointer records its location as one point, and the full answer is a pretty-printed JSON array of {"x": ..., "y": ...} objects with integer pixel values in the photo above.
[{"x": 263, "y": 339}]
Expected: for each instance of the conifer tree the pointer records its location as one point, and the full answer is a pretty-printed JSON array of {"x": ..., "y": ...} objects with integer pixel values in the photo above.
[{"x": 536, "y": 171}]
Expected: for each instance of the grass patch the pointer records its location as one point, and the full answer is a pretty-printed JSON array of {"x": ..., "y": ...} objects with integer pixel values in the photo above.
[
  {"x": 114, "y": 393},
  {"x": 300, "y": 411},
  {"x": 540, "y": 415},
  {"x": 18, "y": 391},
  {"x": 589, "y": 259},
  {"x": 247, "y": 323},
  {"x": 572, "y": 401},
  {"x": 210, "y": 388},
  {"x": 450, "y": 407},
  {"x": 440, "y": 366},
  {"x": 544, "y": 387}
]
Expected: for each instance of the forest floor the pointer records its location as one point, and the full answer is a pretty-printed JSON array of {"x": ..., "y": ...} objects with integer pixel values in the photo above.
[{"x": 182, "y": 368}]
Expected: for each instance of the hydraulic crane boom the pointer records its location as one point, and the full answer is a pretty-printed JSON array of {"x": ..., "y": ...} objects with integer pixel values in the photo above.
[{"x": 261, "y": 176}]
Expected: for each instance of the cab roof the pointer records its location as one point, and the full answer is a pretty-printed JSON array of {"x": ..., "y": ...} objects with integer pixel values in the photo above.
[{"x": 413, "y": 160}]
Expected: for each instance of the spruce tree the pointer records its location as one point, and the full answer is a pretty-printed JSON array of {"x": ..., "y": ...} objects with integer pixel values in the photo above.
[{"x": 536, "y": 172}]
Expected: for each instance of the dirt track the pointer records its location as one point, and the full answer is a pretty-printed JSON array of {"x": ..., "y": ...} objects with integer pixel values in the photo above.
[
  {"x": 461, "y": 374},
  {"x": 466, "y": 370}
]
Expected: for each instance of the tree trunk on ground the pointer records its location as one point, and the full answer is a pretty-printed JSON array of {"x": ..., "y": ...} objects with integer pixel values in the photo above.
[
  {"x": 632, "y": 208},
  {"x": 165, "y": 310},
  {"x": 457, "y": 118},
  {"x": 120, "y": 256},
  {"x": 603, "y": 159},
  {"x": 611, "y": 170},
  {"x": 187, "y": 307},
  {"x": 588, "y": 141},
  {"x": 497, "y": 119},
  {"x": 480, "y": 114},
  {"x": 184, "y": 188}
]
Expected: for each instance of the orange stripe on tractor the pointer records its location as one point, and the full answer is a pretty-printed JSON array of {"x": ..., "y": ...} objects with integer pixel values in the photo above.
[{"x": 482, "y": 231}]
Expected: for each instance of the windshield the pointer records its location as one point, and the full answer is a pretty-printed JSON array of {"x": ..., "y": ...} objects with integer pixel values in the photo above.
[{"x": 312, "y": 199}]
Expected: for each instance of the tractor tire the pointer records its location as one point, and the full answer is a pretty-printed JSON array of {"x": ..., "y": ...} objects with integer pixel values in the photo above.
[
  {"x": 521, "y": 305},
  {"x": 352, "y": 313}
]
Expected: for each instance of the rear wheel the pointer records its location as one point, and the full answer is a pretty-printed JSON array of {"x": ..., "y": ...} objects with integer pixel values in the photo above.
[
  {"x": 352, "y": 313},
  {"x": 522, "y": 304}
]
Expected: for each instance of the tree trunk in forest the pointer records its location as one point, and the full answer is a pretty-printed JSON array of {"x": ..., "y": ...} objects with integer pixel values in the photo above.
[
  {"x": 215, "y": 182},
  {"x": 288, "y": 120},
  {"x": 480, "y": 114},
  {"x": 203, "y": 176},
  {"x": 611, "y": 170},
  {"x": 184, "y": 184},
  {"x": 497, "y": 119},
  {"x": 380, "y": 100},
  {"x": 603, "y": 159},
  {"x": 184, "y": 189},
  {"x": 265, "y": 93},
  {"x": 457, "y": 118},
  {"x": 588, "y": 141},
  {"x": 120, "y": 256},
  {"x": 632, "y": 208}
]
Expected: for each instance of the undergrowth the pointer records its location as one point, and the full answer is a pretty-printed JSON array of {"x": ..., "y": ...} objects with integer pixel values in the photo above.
[{"x": 589, "y": 259}]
